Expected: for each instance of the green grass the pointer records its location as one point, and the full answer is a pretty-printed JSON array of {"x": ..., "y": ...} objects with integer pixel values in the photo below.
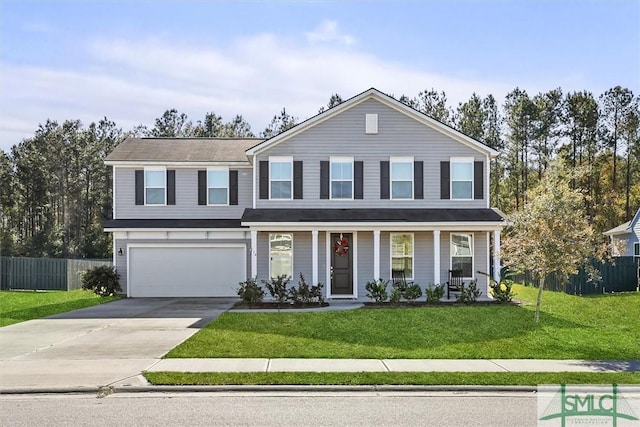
[
  {"x": 19, "y": 306},
  {"x": 391, "y": 378},
  {"x": 571, "y": 327}
]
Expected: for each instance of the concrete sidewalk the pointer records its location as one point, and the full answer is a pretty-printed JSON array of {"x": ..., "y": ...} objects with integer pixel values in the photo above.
[{"x": 393, "y": 365}]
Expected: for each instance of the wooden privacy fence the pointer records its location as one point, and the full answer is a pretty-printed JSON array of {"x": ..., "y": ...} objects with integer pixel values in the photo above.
[
  {"x": 619, "y": 275},
  {"x": 44, "y": 273}
]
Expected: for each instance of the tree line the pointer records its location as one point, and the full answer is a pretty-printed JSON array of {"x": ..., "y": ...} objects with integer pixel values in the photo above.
[{"x": 55, "y": 190}]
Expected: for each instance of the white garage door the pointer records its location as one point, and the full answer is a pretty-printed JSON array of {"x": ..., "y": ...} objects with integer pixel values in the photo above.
[{"x": 186, "y": 271}]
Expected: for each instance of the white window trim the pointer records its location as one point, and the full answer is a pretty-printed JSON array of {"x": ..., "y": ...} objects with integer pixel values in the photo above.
[
  {"x": 473, "y": 252},
  {"x": 393, "y": 160},
  {"x": 155, "y": 169},
  {"x": 413, "y": 250},
  {"x": 269, "y": 243},
  {"x": 453, "y": 160},
  {"x": 218, "y": 169},
  {"x": 280, "y": 159},
  {"x": 333, "y": 160}
]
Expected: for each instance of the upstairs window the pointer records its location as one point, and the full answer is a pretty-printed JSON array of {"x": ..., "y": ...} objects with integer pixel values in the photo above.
[
  {"x": 636, "y": 249},
  {"x": 281, "y": 177},
  {"x": 341, "y": 178},
  {"x": 462, "y": 179},
  {"x": 462, "y": 254},
  {"x": 155, "y": 186},
  {"x": 401, "y": 177},
  {"x": 217, "y": 186}
]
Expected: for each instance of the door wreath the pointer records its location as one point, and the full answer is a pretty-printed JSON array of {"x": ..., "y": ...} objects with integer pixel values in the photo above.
[{"x": 341, "y": 246}]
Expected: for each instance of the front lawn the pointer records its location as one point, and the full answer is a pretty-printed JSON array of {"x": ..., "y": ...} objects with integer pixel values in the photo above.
[
  {"x": 19, "y": 306},
  {"x": 571, "y": 327}
]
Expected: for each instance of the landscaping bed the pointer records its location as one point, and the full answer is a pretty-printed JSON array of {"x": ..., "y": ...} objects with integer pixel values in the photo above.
[{"x": 268, "y": 305}]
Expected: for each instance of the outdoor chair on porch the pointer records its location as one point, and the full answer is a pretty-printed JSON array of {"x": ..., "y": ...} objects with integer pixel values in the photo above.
[
  {"x": 398, "y": 279},
  {"x": 455, "y": 282}
]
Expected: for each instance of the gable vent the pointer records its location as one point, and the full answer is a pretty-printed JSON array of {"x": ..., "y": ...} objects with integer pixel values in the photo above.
[{"x": 371, "y": 124}]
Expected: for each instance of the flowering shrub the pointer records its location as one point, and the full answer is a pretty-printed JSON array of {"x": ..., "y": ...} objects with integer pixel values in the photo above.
[
  {"x": 434, "y": 293},
  {"x": 277, "y": 288},
  {"x": 101, "y": 280},
  {"x": 502, "y": 291}
]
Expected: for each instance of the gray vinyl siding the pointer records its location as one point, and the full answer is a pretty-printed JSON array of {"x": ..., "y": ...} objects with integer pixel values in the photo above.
[
  {"x": 186, "y": 197},
  {"x": 629, "y": 240},
  {"x": 121, "y": 260},
  {"x": 365, "y": 261},
  {"x": 399, "y": 135}
]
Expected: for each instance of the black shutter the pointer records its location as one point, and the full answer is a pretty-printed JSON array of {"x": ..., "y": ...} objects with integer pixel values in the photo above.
[
  {"x": 139, "y": 187},
  {"x": 233, "y": 187},
  {"x": 264, "y": 179},
  {"x": 171, "y": 187},
  {"x": 324, "y": 179},
  {"x": 297, "y": 179},
  {"x": 384, "y": 179},
  {"x": 445, "y": 177},
  {"x": 478, "y": 180},
  {"x": 202, "y": 187},
  {"x": 418, "y": 180},
  {"x": 357, "y": 180}
]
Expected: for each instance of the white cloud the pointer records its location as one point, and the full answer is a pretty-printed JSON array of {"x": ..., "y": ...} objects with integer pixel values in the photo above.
[
  {"x": 135, "y": 81},
  {"x": 327, "y": 32}
]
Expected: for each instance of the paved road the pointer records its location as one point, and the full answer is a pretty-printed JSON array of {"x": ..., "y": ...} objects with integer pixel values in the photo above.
[
  {"x": 100, "y": 345},
  {"x": 272, "y": 409}
]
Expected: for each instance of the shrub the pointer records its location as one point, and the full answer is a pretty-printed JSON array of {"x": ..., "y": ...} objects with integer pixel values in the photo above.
[
  {"x": 277, "y": 288},
  {"x": 434, "y": 293},
  {"x": 316, "y": 293},
  {"x": 469, "y": 293},
  {"x": 396, "y": 294},
  {"x": 250, "y": 292},
  {"x": 412, "y": 292},
  {"x": 502, "y": 291},
  {"x": 303, "y": 294},
  {"x": 101, "y": 280},
  {"x": 377, "y": 290}
]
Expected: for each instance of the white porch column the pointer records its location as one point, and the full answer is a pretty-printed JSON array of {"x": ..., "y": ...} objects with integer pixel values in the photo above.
[
  {"x": 496, "y": 256},
  {"x": 436, "y": 257},
  {"x": 314, "y": 257},
  {"x": 376, "y": 254},
  {"x": 254, "y": 254}
]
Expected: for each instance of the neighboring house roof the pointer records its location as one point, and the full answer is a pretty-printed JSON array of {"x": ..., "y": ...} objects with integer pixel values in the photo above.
[
  {"x": 189, "y": 150},
  {"x": 171, "y": 223},
  {"x": 371, "y": 215},
  {"x": 385, "y": 99},
  {"x": 621, "y": 229}
]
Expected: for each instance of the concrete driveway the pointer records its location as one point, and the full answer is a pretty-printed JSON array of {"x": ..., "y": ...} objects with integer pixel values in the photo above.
[{"x": 101, "y": 345}]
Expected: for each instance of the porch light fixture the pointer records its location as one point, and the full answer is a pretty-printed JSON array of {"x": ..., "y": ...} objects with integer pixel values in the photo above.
[{"x": 120, "y": 252}]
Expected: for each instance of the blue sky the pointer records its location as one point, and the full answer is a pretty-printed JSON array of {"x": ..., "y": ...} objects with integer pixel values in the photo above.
[{"x": 132, "y": 60}]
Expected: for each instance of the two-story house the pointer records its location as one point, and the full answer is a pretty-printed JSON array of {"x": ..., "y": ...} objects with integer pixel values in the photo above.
[{"x": 345, "y": 197}]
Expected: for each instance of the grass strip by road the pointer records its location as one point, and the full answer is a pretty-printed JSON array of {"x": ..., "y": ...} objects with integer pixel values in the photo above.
[
  {"x": 20, "y": 306},
  {"x": 390, "y": 378},
  {"x": 601, "y": 327}
]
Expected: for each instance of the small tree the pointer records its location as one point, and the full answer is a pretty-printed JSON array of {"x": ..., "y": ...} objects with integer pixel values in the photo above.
[{"x": 551, "y": 233}]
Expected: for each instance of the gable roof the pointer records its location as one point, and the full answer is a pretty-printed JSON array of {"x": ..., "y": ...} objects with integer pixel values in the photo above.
[
  {"x": 187, "y": 150},
  {"x": 385, "y": 99},
  {"x": 621, "y": 229}
]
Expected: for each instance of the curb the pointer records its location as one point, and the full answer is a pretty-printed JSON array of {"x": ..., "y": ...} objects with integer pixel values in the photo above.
[{"x": 105, "y": 391}]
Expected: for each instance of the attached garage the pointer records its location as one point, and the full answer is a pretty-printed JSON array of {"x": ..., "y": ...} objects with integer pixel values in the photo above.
[{"x": 175, "y": 270}]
